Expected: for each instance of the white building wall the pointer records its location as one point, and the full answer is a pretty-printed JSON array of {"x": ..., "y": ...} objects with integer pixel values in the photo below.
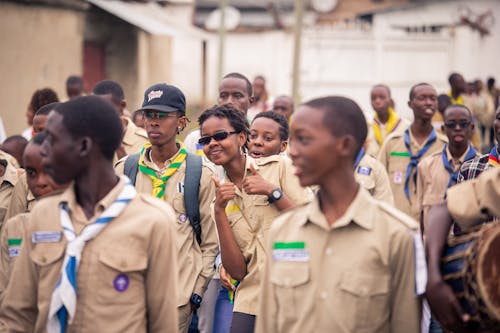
[{"x": 349, "y": 61}]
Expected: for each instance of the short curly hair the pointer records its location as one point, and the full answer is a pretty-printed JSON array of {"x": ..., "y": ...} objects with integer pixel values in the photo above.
[
  {"x": 42, "y": 97},
  {"x": 277, "y": 117}
]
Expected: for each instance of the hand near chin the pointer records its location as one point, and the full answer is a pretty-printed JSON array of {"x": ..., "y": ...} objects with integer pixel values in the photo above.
[{"x": 254, "y": 183}]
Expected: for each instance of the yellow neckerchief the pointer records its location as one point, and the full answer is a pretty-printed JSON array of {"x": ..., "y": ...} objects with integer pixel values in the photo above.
[
  {"x": 459, "y": 100},
  {"x": 160, "y": 183},
  {"x": 391, "y": 124}
]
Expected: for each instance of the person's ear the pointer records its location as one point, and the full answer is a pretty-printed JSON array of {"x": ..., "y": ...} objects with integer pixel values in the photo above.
[
  {"x": 284, "y": 145},
  {"x": 346, "y": 145},
  {"x": 123, "y": 105},
  {"x": 442, "y": 128},
  {"x": 181, "y": 124},
  {"x": 251, "y": 99},
  {"x": 242, "y": 138},
  {"x": 85, "y": 146}
]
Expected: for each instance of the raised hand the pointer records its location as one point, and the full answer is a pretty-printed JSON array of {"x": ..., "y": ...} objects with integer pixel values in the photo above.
[{"x": 254, "y": 183}]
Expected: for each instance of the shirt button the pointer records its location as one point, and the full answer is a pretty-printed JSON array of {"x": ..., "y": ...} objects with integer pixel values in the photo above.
[
  {"x": 329, "y": 251},
  {"x": 323, "y": 295}
]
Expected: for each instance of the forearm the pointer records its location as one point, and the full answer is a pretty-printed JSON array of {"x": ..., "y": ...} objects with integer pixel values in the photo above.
[
  {"x": 284, "y": 203},
  {"x": 232, "y": 258}
]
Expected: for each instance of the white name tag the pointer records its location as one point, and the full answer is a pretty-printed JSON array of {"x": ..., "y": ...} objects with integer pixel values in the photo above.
[
  {"x": 14, "y": 251},
  {"x": 46, "y": 236},
  {"x": 297, "y": 255}
]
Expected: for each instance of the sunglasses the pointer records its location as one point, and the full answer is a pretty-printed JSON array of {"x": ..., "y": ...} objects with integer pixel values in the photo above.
[
  {"x": 158, "y": 115},
  {"x": 453, "y": 124},
  {"x": 219, "y": 136}
]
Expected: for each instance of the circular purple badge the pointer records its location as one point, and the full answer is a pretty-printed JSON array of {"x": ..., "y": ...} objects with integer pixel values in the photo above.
[{"x": 121, "y": 282}]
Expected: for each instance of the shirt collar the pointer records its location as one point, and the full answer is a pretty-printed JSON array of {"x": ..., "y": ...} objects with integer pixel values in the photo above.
[
  {"x": 148, "y": 162},
  {"x": 454, "y": 161},
  {"x": 69, "y": 197},
  {"x": 11, "y": 174},
  {"x": 130, "y": 129},
  {"x": 357, "y": 213}
]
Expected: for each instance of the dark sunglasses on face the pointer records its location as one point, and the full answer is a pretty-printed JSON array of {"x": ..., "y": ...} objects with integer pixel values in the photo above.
[
  {"x": 218, "y": 136},
  {"x": 453, "y": 124},
  {"x": 158, "y": 114}
]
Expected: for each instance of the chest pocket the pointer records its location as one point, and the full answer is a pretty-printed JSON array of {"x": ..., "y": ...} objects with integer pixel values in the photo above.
[
  {"x": 367, "y": 298},
  {"x": 397, "y": 170},
  {"x": 121, "y": 276},
  {"x": 290, "y": 280},
  {"x": 48, "y": 257}
]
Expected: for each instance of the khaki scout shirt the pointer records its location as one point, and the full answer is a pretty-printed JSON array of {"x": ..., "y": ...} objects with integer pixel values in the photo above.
[
  {"x": 432, "y": 180},
  {"x": 197, "y": 263},
  {"x": 138, "y": 243},
  {"x": 133, "y": 138},
  {"x": 371, "y": 174},
  {"x": 10, "y": 159},
  {"x": 251, "y": 217},
  {"x": 7, "y": 183},
  {"x": 22, "y": 200},
  {"x": 357, "y": 275},
  {"x": 372, "y": 146},
  {"x": 474, "y": 201},
  {"x": 11, "y": 238},
  {"x": 394, "y": 156}
]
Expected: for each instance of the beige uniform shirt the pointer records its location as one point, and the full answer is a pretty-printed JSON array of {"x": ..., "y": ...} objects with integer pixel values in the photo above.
[
  {"x": 7, "y": 183},
  {"x": 395, "y": 158},
  {"x": 138, "y": 243},
  {"x": 251, "y": 217},
  {"x": 10, "y": 159},
  {"x": 11, "y": 238},
  {"x": 372, "y": 147},
  {"x": 355, "y": 276},
  {"x": 432, "y": 181},
  {"x": 133, "y": 138},
  {"x": 22, "y": 200},
  {"x": 197, "y": 263},
  {"x": 477, "y": 200},
  {"x": 371, "y": 174}
]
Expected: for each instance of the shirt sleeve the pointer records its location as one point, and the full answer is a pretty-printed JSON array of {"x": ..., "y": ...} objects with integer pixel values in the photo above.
[
  {"x": 383, "y": 189},
  {"x": 474, "y": 201}
]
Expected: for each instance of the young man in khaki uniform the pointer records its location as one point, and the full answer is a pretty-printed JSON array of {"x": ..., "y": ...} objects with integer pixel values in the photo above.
[
  {"x": 101, "y": 258},
  {"x": 401, "y": 152},
  {"x": 133, "y": 137},
  {"x": 40, "y": 184},
  {"x": 371, "y": 174},
  {"x": 315, "y": 279},
  {"x": 439, "y": 171},
  {"x": 385, "y": 122},
  {"x": 164, "y": 160}
]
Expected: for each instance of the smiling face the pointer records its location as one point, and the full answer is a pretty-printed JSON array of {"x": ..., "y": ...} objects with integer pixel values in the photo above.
[
  {"x": 224, "y": 151},
  {"x": 309, "y": 140},
  {"x": 265, "y": 138}
]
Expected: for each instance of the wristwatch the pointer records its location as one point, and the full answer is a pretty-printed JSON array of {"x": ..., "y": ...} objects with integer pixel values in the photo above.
[
  {"x": 196, "y": 300},
  {"x": 276, "y": 194}
]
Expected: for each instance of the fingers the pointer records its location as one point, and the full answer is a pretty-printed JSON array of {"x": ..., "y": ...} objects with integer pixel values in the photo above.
[
  {"x": 216, "y": 182},
  {"x": 252, "y": 170}
]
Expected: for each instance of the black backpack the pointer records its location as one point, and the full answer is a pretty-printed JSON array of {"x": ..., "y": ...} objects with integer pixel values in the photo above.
[{"x": 191, "y": 187}]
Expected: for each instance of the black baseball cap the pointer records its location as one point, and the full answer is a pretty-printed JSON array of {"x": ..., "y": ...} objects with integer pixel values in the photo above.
[{"x": 165, "y": 98}]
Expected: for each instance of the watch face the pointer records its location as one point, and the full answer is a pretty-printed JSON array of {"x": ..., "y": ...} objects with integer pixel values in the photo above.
[{"x": 276, "y": 194}]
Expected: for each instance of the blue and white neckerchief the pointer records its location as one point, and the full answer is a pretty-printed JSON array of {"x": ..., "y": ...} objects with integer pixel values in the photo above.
[
  {"x": 454, "y": 174},
  {"x": 359, "y": 157},
  {"x": 63, "y": 302},
  {"x": 414, "y": 159}
]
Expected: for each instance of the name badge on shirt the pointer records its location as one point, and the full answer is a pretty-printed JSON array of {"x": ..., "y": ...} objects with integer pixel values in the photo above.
[
  {"x": 364, "y": 170},
  {"x": 180, "y": 187},
  {"x": 290, "y": 251},
  {"x": 46, "y": 236},
  {"x": 398, "y": 177},
  {"x": 14, "y": 245}
]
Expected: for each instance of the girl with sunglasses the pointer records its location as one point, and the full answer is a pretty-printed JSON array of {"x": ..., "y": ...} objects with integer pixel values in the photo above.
[{"x": 248, "y": 198}]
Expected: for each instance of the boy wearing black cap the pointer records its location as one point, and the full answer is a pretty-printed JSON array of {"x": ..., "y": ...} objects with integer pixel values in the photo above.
[{"x": 161, "y": 169}]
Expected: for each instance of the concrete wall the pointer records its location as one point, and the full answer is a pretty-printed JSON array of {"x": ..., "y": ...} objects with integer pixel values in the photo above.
[
  {"x": 348, "y": 61},
  {"x": 41, "y": 46}
]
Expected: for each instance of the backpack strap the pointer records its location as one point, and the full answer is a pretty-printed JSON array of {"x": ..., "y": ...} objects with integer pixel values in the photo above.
[
  {"x": 131, "y": 166},
  {"x": 191, "y": 193}
]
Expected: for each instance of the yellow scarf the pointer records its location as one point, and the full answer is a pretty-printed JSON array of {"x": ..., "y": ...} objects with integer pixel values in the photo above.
[
  {"x": 160, "y": 183},
  {"x": 459, "y": 100},
  {"x": 391, "y": 125}
]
